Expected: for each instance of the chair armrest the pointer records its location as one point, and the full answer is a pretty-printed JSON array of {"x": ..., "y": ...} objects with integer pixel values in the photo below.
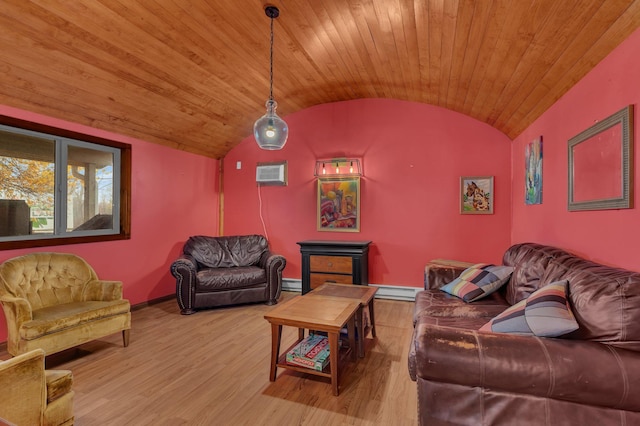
[
  {"x": 184, "y": 269},
  {"x": 274, "y": 265},
  {"x": 585, "y": 372},
  {"x": 16, "y": 309},
  {"x": 101, "y": 290},
  {"x": 439, "y": 272},
  {"x": 22, "y": 381},
  {"x": 183, "y": 266}
]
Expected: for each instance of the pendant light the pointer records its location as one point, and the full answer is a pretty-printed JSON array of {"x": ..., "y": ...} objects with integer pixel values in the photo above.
[{"x": 270, "y": 131}]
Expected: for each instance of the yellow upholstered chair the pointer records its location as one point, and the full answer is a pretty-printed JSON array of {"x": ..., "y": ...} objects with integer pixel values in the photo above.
[
  {"x": 55, "y": 301},
  {"x": 32, "y": 395}
]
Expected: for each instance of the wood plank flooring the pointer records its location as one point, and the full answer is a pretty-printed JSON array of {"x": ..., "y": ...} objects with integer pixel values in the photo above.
[{"x": 212, "y": 368}]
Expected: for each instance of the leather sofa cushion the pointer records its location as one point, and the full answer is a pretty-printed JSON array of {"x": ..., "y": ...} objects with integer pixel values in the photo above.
[
  {"x": 226, "y": 252},
  {"x": 59, "y": 317},
  {"x": 59, "y": 382},
  {"x": 217, "y": 279},
  {"x": 436, "y": 303}
]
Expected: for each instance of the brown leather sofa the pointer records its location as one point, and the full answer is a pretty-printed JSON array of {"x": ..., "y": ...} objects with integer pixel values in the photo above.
[
  {"x": 221, "y": 271},
  {"x": 590, "y": 376}
]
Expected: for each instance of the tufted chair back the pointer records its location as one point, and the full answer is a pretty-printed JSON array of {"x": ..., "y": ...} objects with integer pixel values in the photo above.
[{"x": 45, "y": 279}]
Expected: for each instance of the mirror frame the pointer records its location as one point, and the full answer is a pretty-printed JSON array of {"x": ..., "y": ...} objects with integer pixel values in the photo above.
[{"x": 625, "y": 201}]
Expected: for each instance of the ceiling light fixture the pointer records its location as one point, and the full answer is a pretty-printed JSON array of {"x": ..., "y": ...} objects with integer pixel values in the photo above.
[{"x": 270, "y": 131}]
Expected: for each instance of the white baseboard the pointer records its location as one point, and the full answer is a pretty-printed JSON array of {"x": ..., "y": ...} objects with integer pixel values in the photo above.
[{"x": 392, "y": 292}]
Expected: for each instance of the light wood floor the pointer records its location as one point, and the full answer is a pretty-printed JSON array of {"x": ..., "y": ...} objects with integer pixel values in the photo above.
[{"x": 212, "y": 368}]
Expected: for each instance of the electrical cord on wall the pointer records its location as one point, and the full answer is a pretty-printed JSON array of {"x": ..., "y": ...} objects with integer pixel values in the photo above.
[{"x": 264, "y": 227}]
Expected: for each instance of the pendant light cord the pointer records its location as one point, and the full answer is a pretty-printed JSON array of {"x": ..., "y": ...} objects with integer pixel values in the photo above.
[{"x": 271, "y": 65}]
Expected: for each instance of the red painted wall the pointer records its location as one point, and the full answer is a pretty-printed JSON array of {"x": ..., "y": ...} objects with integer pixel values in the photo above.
[
  {"x": 413, "y": 156},
  {"x": 606, "y": 236},
  {"x": 174, "y": 195}
]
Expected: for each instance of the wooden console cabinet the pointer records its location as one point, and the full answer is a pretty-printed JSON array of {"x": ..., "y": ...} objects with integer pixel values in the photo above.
[{"x": 344, "y": 262}]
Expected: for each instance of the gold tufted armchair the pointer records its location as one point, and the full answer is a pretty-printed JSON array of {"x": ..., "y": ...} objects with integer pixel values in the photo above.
[
  {"x": 32, "y": 395},
  {"x": 55, "y": 301}
]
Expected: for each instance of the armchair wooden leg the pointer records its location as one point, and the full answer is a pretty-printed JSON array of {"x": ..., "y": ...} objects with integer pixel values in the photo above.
[{"x": 125, "y": 337}]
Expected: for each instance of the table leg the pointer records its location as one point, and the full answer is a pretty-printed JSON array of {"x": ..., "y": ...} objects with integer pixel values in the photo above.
[
  {"x": 351, "y": 330},
  {"x": 300, "y": 333},
  {"x": 333, "y": 360},
  {"x": 372, "y": 318},
  {"x": 276, "y": 334},
  {"x": 360, "y": 327}
]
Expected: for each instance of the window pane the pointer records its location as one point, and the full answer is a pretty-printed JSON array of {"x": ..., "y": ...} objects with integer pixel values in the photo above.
[
  {"x": 26, "y": 184},
  {"x": 89, "y": 189}
]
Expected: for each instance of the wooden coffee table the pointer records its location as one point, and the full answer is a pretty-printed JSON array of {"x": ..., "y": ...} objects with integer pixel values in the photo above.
[
  {"x": 362, "y": 293},
  {"x": 327, "y": 314}
]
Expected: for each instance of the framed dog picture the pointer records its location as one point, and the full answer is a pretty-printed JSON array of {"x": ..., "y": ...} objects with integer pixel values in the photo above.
[
  {"x": 476, "y": 195},
  {"x": 339, "y": 204}
]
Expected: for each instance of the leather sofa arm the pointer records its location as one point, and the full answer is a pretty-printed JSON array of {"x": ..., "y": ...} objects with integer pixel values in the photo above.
[
  {"x": 102, "y": 290},
  {"x": 585, "y": 372},
  {"x": 184, "y": 265},
  {"x": 439, "y": 272},
  {"x": 184, "y": 269},
  {"x": 274, "y": 265}
]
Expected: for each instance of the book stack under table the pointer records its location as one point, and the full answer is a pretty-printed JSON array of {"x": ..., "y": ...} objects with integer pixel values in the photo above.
[{"x": 311, "y": 352}]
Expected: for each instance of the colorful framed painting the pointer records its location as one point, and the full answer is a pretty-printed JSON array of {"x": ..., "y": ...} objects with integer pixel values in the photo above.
[
  {"x": 339, "y": 204},
  {"x": 533, "y": 174},
  {"x": 476, "y": 195}
]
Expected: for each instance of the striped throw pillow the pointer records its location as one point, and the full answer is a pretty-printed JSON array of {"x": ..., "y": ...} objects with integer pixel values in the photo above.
[
  {"x": 478, "y": 281},
  {"x": 545, "y": 313}
]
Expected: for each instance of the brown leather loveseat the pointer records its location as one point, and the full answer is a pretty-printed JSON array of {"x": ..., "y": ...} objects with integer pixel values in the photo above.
[
  {"x": 590, "y": 376},
  {"x": 220, "y": 271}
]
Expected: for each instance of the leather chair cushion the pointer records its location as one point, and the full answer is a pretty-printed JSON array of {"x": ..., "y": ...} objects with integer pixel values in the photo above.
[
  {"x": 216, "y": 279},
  {"x": 59, "y": 317}
]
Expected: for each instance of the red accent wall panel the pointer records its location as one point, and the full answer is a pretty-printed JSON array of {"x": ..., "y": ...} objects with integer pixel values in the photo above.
[{"x": 413, "y": 156}]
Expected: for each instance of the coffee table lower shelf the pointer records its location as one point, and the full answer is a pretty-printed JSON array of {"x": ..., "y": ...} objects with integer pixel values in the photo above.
[{"x": 326, "y": 371}]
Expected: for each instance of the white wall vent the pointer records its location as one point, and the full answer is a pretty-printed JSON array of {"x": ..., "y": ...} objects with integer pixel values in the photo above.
[{"x": 271, "y": 173}]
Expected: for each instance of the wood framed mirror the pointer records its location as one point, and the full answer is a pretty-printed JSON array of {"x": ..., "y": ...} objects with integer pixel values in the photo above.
[{"x": 601, "y": 164}]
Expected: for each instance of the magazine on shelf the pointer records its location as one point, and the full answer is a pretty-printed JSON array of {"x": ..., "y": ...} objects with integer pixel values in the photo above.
[{"x": 311, "y": 352}]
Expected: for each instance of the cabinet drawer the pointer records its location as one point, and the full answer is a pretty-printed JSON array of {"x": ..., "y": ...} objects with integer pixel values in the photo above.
[
  {"x": 317, "y": 280},
  {"x": 338, "y": 264}
]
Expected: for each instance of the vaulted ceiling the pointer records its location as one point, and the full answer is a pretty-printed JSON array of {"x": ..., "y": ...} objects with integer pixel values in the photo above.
[{"x": 194, "y": 75}]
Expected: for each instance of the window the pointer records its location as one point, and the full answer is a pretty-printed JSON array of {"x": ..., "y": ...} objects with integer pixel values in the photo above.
[{"x": 60, "y": 187}]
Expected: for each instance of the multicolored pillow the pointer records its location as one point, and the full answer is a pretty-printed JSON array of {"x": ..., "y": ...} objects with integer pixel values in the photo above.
[
  {"x": 478, "y": 281},
  {"x": 545, "y": 313}
]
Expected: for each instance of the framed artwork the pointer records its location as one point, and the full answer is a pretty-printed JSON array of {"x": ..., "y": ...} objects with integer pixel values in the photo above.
[
  {"x": 601, "y": 164},
  {"x": 339, "y": 204},
  {"x": 476, "y": 195},
  {"x": 533, "y": 174}
]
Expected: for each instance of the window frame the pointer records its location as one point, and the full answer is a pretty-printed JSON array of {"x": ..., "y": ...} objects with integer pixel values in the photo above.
[{"x": 124, "y": 232}]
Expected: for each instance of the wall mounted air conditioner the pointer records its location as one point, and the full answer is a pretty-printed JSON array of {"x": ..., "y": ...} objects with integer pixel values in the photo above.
[{"x": 272, "y": 173}]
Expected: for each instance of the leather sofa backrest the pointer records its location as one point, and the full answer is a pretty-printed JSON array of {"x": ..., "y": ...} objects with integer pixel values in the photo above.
[
  {"x": 45, "y": 279},
  {"x": 529, "y": 260},
  {"x": 605, "y": 300},
  {"x": 226, "y": 252}
]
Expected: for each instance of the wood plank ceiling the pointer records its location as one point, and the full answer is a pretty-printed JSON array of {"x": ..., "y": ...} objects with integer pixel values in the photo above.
[{"x": 194, "y": 75}]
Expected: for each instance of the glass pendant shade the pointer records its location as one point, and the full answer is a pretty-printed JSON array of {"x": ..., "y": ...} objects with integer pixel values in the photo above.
[{"x": 271, "y": 131}]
